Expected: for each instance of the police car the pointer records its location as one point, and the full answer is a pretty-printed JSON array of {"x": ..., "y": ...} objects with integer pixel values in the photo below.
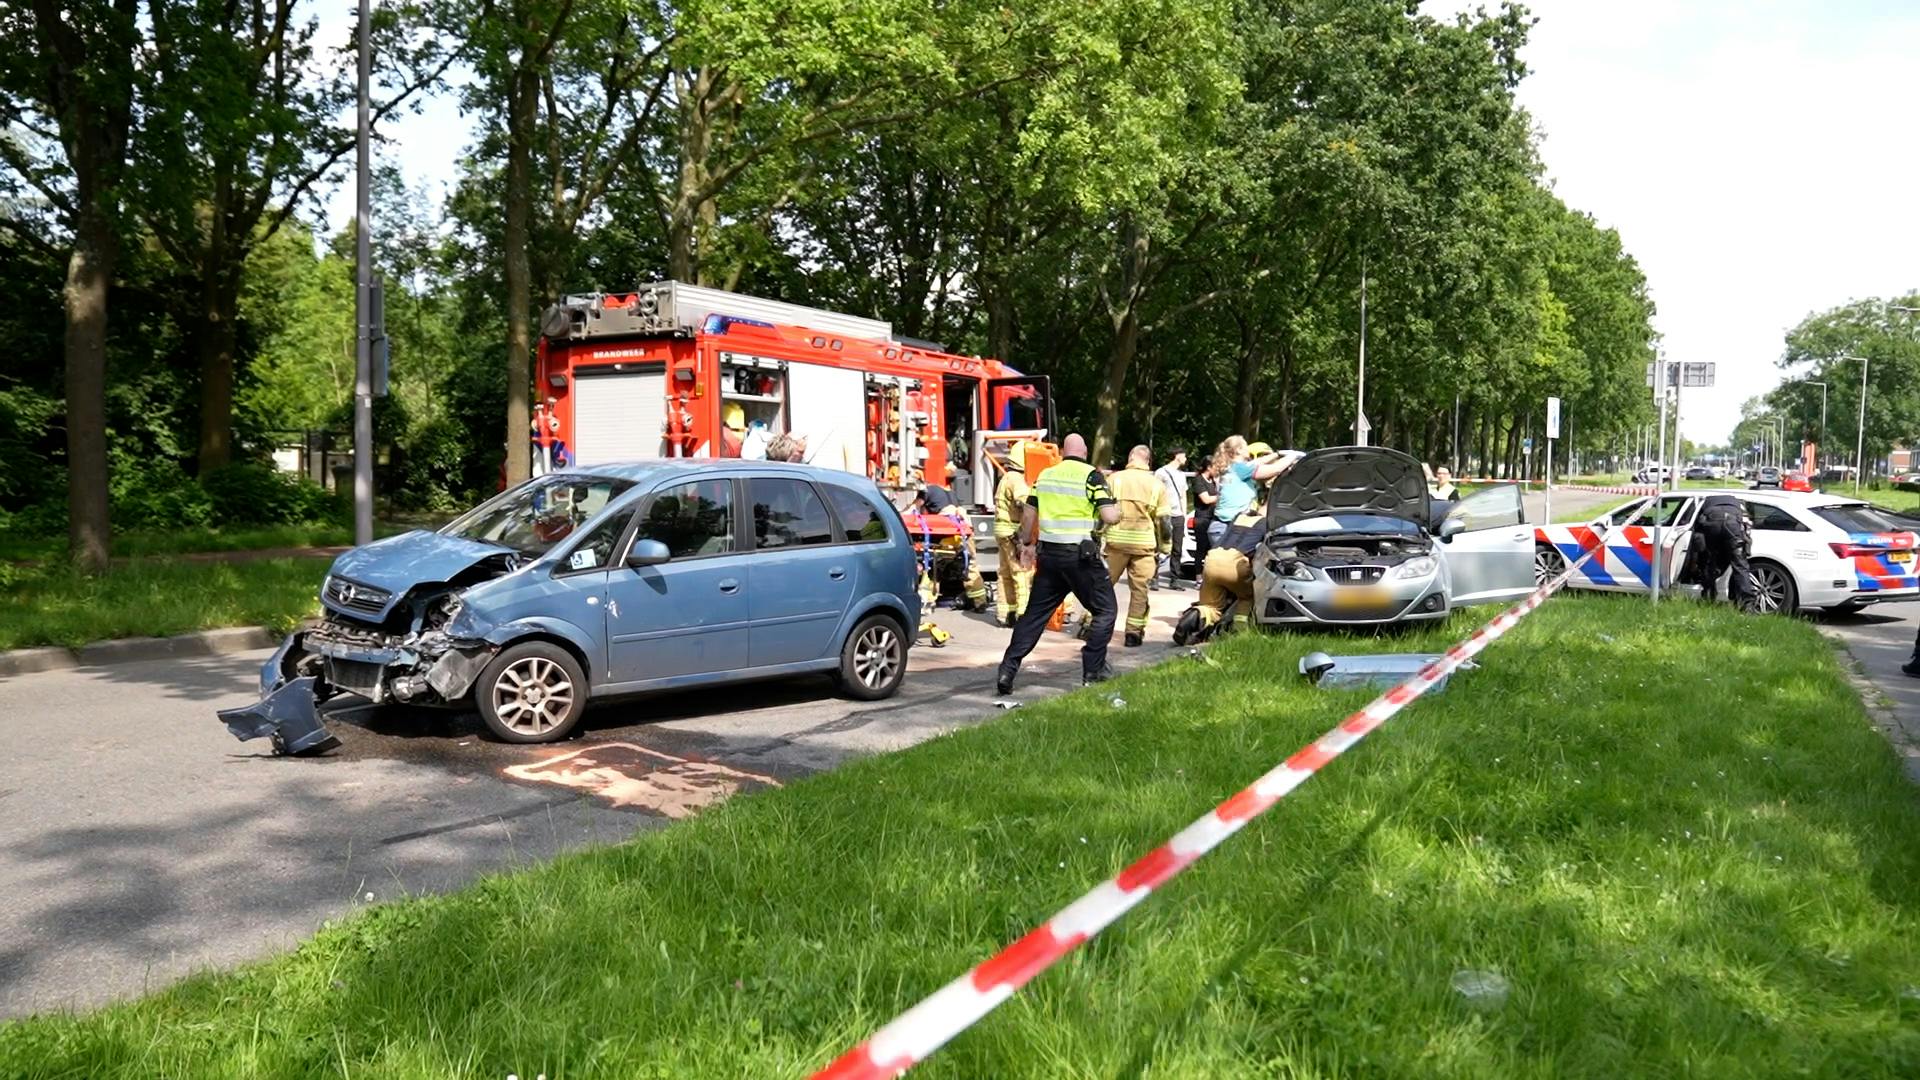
[{"x": 1808, "y": 550}]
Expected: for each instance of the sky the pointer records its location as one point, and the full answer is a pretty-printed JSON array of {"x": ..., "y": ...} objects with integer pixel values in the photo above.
[{"x": 1759, "y": 158}]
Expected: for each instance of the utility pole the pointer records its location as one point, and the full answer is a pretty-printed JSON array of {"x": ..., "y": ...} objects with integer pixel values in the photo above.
[
  {"x": 363, "y": 308},
  {"x": 1860, "y": 434},
  {"x": 1659, "y": 488},
  {"x": 1360, "y": 395}
]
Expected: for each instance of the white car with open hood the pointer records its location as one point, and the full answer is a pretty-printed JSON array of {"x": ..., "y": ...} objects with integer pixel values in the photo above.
[{"x": 1354, "y": 538}]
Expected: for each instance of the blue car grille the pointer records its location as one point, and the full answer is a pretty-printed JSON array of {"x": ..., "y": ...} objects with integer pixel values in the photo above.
[{"x": 353, "y": 596}]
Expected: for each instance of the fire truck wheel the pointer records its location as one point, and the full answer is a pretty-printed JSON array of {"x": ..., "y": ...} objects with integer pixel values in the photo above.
[{"x": 874, "y": 659}]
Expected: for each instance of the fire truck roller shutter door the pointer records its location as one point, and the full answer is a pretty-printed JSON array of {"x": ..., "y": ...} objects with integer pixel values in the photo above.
[
  {"x": 619, "y": 417},
  {"x": 827, "y": 406}
]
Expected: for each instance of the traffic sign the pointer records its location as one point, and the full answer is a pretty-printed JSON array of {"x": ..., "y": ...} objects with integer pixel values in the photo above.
[
  {"x": 1553, "y": 418},
  {"x": 1689, "y": 374}
]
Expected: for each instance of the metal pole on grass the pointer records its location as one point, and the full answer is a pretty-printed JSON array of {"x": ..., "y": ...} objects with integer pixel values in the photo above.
[
  {"x": 1360, "y": 394},
  {"x": 363, "y": 310},
  {"x": 1660, "y": 391}
]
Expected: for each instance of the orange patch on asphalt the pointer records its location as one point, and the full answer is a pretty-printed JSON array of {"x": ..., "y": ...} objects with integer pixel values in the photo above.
[{"x": 630, "y": 775}]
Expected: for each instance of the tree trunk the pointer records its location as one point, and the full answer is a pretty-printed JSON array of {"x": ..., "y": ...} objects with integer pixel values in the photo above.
[
  {"x": 1244, "y": 412},
  {"x": 1126, "y": 342},
  {"x": 522, "y": 115},
  {"x": 89, "y": 275},
  {"x": 89, "y": 90},
  {"x": 219, "y": 311},
  {"x": 1136, "y": 249},
  {"x": 692, "y": 209}
]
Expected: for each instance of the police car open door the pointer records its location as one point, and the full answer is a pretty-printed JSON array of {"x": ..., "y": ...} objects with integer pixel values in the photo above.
[{"x": 1491, "y": 560}]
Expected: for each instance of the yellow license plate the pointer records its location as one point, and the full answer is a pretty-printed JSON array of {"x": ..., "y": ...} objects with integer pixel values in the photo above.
[
  {"x": 1358, "y": 597},
  {"x": 1901, "y": 557}
]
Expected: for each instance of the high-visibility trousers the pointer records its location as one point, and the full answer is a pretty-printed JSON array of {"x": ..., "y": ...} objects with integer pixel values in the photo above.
[
  {"x": 1226, "y": 578},
  {"x": 1137, "y": 567},
  {"x": 1016, "y": 581}
]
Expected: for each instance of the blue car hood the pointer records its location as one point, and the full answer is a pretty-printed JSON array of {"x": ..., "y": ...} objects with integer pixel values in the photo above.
[{"x": 398, "y": 563}]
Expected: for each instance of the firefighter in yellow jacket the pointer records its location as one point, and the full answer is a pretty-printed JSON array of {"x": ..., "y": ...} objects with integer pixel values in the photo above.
[
  {"x": 1009, "y": 503},
  {"x": 1135, "y": 541}
]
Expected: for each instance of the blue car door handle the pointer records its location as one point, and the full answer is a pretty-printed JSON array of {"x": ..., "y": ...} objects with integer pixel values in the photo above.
[
  {"x": 837, "y": 573},
  {"x": 729, "y": 585}
]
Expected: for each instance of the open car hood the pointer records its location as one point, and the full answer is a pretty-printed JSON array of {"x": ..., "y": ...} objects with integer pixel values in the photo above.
[{"x": 1350, "y": 480}]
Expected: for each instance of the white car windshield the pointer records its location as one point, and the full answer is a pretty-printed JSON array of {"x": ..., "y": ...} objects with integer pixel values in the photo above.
[{"x": 539, "y": 513}]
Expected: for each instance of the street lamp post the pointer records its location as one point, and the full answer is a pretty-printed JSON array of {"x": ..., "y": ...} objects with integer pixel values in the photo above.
[{"x": 1860, "y": 436}]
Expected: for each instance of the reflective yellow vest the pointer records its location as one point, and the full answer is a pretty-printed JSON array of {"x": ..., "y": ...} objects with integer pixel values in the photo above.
[
  {"x": 1140, "y": 495},
  {"x": 1067, "y": 513}
]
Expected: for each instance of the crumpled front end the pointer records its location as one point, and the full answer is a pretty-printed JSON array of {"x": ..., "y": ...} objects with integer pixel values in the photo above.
[{"x": 406, "y": 656}]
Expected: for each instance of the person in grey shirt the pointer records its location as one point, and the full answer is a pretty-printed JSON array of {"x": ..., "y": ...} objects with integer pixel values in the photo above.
[{"x": 1173, "y": 476}]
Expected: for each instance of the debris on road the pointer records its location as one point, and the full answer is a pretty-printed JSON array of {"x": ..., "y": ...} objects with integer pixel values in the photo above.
[{"x": 287, "y": 717}]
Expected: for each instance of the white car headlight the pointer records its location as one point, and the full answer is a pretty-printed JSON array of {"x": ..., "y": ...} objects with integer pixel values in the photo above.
[
  {"x": 1417, "y": 567},
  {"x": 1301, "y": 572}
]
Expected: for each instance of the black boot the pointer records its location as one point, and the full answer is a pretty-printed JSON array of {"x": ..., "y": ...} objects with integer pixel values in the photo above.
[
  {"x": 1911, "y": 667},
  {"x": 1136, "y": 638},
  {"x": 1105, "y": 673},
  {"x": 1004, "y": 684},
  {"x": 1188, "y": 626}
]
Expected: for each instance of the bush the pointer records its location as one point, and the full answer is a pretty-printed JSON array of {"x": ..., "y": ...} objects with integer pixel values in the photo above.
[
  {"x": 427, "y": 468},
  {"x": 246, "y": 493},
  {"x": 157, "y": 494}
]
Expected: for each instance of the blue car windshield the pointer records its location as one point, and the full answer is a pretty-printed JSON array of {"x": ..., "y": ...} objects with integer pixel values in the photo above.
[
  {"x": 1351, "y": 523},
  {"x": 539, "y": 513}
]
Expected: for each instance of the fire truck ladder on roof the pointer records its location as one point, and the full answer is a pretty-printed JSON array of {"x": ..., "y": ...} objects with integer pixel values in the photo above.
[{"x": 674, "y": 307}]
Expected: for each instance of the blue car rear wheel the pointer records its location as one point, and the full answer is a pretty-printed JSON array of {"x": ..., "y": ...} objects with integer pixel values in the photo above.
[{"x": 874, "y": 659}]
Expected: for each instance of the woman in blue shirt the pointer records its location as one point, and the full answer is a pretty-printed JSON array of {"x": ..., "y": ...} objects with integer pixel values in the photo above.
[{"x": 1243, "y": 469}]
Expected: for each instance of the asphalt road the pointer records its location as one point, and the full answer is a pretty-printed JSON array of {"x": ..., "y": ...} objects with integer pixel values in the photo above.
[
  {"x": 1881, "y": 639},
  {"x": 140, "y": 842},
  {"x": 1569, "y": 505}
]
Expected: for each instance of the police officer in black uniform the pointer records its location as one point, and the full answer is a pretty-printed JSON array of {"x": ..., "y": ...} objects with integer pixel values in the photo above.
[{"x": 1724, "y": 534}]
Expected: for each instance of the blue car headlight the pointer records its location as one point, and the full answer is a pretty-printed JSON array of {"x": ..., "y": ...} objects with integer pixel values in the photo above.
[{"x": 1418, "y": 567}]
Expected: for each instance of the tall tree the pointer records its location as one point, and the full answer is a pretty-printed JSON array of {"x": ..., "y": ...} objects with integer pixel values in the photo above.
[
  {"x": 241, "y": 134},
  {"x": 72, "y": 89}
]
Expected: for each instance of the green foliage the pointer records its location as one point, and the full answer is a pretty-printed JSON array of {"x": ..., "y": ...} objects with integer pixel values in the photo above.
[
  {"x": 245, "y": 493},
  {"x": 1167, "y": 205}
]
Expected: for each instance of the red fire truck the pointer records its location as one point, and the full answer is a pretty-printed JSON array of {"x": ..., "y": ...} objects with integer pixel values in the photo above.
[{"x": 675, "y": 370}]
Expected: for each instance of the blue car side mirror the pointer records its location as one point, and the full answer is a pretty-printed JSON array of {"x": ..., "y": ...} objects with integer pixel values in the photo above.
[{"x": 648, "y": 553}]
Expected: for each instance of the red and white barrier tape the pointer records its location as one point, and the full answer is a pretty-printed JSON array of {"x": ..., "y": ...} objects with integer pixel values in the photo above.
[{"x": 915, "y": 1034}]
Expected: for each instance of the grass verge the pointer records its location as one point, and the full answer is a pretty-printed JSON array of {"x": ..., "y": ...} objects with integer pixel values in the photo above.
[
  {"x": 1672, "y": 830},
  {"x": 42, "y": 605}
]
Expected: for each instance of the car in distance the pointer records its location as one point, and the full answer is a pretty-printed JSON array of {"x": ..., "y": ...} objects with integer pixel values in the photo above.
[
  {"x": 1808, "y": 551},
  {"x": 1767, "y": 476},
  {"x": 1354, "y": 538},
  {"x": 1699, "y": 472},
  {"x": 612, "y": 580},
  {"x": 1653, "y": 474},
  {"x": 1794, "y": 481}
]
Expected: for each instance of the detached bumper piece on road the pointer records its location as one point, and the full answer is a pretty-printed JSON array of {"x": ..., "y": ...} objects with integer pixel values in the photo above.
[{"x": 289, "y": 716}]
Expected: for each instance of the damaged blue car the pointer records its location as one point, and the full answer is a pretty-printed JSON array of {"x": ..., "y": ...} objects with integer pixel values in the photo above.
[{"x": 601, "y": 582}]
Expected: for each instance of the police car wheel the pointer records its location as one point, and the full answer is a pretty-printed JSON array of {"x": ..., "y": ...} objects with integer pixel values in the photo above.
[
  {"x": 1773, "y": 590},
  {"x": 1547, "y": 564}
]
